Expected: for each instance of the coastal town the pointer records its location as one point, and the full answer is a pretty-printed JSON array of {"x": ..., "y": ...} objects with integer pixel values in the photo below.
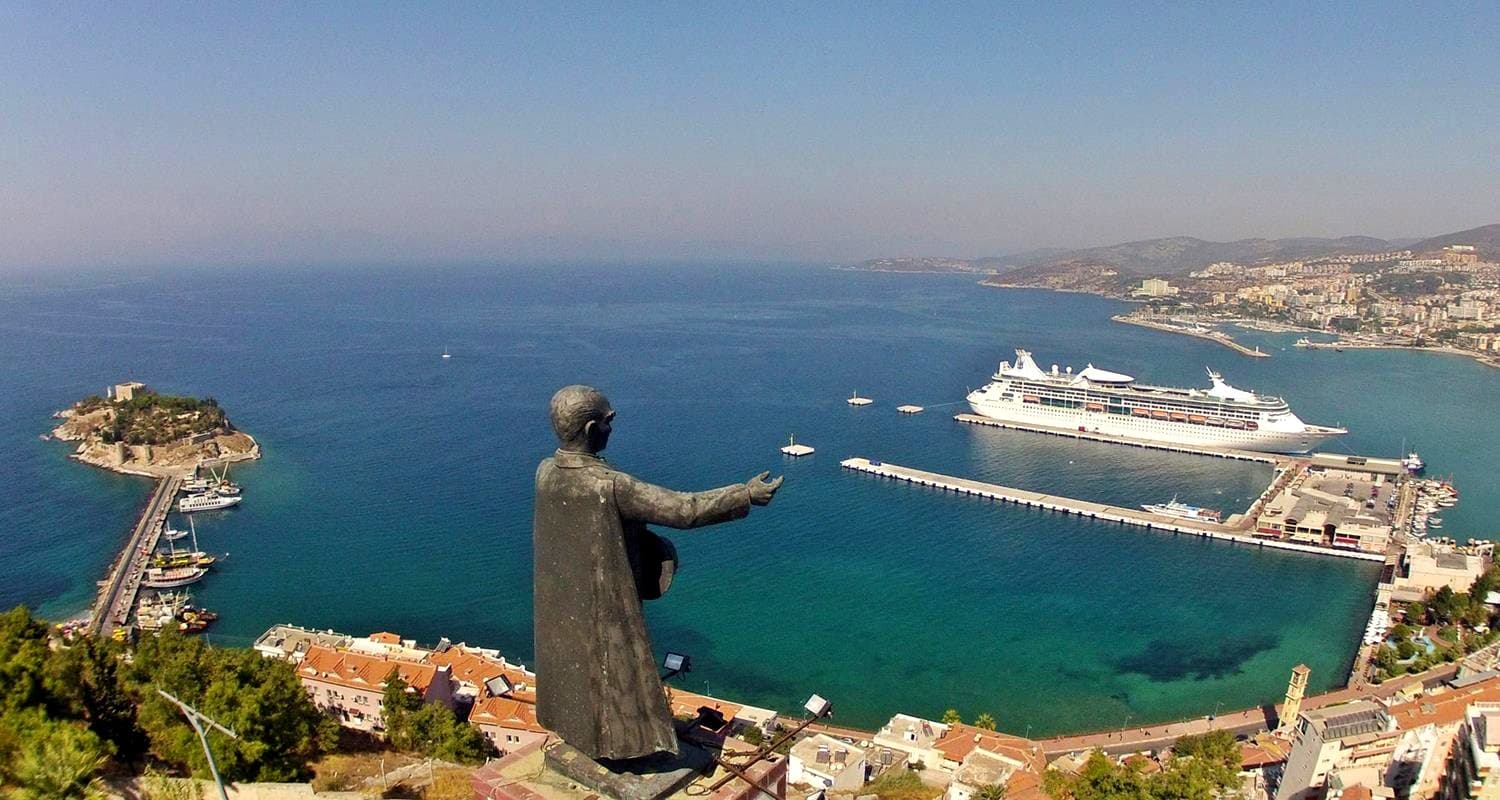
[
  {"x": 1447, "y": 300},
  {"x": 1409, "y": 720}
]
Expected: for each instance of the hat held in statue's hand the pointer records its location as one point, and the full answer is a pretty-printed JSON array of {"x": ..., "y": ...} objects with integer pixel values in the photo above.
[{"x": 654, "y": 564}]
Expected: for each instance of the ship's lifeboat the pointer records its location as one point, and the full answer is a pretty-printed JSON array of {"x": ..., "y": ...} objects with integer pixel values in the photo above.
[
  {"x": 1197, "y": 419},
  {"x": 1177, "y": 417},
  {"x": 1094, "y": 407},
  {"x": 1030, "y": 398},
  {"x": 1234, "y": 423},
  {"x": 1216, "y": 422},
  {"x": 1252, "y": 426},
  {"x": 1160, "y": 414},
  {"x": 1140, "y": 412}
]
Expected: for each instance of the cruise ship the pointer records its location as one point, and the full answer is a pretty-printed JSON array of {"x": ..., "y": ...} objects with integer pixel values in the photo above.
[{"x": 1099, "y": 401}]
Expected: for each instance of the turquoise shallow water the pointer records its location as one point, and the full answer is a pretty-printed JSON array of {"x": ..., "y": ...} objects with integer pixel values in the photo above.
[{"x": 395, "y": 491}]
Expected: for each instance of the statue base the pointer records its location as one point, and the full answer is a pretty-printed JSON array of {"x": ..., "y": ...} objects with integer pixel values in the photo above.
[{"x": 651, "y": 778}]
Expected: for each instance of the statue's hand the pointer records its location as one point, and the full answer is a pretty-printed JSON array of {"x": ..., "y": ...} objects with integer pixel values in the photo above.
[{"x": 762, "y": 490}]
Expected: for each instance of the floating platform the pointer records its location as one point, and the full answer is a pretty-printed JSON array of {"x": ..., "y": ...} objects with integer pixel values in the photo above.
[
  {"x": 1149, "y": 444},
  {"x": 856, "y": 400},
  {"x": 1090, "y": 510},
  {"x": 797, "y": 450},
  {"x": 910, "y": 409}
]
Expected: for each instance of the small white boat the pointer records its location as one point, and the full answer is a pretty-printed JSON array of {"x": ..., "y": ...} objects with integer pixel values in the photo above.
[
  {"x": 196, "y": 485},
  {"x": 446, "y": 354},
  {"x": 172, "y": 534},
  {"x": 856, "y": 400},
  {"x": 1184, "y": 511}
]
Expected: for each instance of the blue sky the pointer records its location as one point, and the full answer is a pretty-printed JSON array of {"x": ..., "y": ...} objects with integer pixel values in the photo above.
[{"x": 157, "y": 134}]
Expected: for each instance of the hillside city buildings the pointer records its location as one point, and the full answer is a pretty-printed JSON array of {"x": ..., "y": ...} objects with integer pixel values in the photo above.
[
  {"x": 1437, "y": 739},
  {"x": 1449, "y": 298}
]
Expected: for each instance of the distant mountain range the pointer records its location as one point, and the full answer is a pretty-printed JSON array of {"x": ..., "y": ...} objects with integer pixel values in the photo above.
[{"x": 1177, "y": 255}]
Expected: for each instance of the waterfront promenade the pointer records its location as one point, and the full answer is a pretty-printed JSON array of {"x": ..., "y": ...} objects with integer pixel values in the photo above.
[
  {"x": 1091, "y": 510},
  {"x": 1247, "y": 722},
  {"x": 118, "y": 591}
]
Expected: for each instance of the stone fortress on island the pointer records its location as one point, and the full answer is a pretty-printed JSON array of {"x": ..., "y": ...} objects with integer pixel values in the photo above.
[{"x": 136, "y": 431}]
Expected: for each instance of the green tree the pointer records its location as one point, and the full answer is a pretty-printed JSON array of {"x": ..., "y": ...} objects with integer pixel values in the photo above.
[
  {"x": 1417, "y": 612},
  {"x": 951, "y": 717},
  {"x": 1400, "y": 631},
  {"x": 58, "y": 761},
  {"x": 397, "y": 706},
  {"x": 23, "y": 661},
  {"x": 985, "y": 721},
  {"x": 86, "y": 680},
  {"x": 260, "y": 699},
  {"x": 439, "y": 733}
]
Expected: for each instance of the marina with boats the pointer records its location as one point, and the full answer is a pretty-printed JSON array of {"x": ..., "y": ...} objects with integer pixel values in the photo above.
[{"x": 145, "y": 590}]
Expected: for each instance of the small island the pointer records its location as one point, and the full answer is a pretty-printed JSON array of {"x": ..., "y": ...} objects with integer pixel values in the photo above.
[{"x": 136, "y": 431}]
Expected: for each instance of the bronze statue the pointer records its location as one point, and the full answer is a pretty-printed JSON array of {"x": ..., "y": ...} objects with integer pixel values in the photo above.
[{"x": 597, "y": 682}]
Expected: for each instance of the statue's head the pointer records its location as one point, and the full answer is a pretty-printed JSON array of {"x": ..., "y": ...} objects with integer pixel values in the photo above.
[{"x": 581, "y": 418}]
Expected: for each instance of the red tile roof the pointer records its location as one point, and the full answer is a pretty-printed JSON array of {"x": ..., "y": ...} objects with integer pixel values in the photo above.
[
  {"x": 473, "y": 667},
  {"x": 686, "y": 704},
  {"x": 1025, "y": 783},
  {"x": 506, "y": 713},
  {"x": 1446, "y": 708},
  {"x": 359, "y": 671},
  {"x": 385, "y": 637}
]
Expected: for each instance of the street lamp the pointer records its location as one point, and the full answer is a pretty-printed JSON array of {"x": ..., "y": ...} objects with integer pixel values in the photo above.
[
  {"x": 1215, "y": 715},
  {"x": 196, "y": 718}
]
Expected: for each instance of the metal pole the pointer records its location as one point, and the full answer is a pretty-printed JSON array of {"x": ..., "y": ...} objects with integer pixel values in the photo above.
[{"x": 196, "y": 719}]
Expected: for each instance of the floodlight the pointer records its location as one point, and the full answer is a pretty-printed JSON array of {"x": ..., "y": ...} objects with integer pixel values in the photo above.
[{"x": 676, "y": 664}]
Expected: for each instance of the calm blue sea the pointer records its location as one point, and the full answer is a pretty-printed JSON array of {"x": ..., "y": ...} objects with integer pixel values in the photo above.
[{"x": 395, "y": 491}]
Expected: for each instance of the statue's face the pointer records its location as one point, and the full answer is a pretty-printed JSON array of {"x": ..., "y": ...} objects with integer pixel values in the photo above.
[{"x": 597, "y": 430}]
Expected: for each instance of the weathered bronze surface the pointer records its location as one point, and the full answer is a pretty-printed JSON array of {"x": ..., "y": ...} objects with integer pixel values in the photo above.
[{"x": 595, "y": 561}]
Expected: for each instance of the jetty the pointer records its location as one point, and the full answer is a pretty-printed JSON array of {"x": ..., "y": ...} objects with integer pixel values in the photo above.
[
  {"x": 1211, "y": 335},
  {"x": 119, "y": 589},
  {"x": 1231, "y": 531}
]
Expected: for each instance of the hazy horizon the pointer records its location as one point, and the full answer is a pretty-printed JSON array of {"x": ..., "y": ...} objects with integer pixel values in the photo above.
[{"x": 167, "y": 135}]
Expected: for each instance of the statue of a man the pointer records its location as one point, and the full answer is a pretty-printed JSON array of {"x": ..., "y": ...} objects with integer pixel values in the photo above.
[{"x": 597, "y": 681}]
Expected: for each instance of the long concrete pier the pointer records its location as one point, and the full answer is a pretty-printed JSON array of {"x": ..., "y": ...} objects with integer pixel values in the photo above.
[
  {"x": 1091, "y": 510},
  {"x": 118, "y": 591},
  {"x": 1212, "y": 336}
]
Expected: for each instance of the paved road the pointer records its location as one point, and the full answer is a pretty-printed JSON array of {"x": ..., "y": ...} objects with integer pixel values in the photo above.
[{"x": 112, "y": 608}]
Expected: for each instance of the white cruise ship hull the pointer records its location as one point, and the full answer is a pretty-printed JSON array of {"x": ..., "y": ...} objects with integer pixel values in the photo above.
[{"x": 1301, "y": 439}]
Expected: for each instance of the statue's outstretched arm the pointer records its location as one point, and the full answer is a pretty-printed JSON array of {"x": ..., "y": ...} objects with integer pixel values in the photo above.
[{"x": 643, "y": 502}]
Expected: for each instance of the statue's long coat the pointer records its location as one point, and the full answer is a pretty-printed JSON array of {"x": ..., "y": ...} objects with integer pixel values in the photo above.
[{"x": 597, "y": 682}]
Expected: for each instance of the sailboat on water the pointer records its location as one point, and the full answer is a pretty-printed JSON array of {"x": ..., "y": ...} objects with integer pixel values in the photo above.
[{"x": 175, "y": 558}]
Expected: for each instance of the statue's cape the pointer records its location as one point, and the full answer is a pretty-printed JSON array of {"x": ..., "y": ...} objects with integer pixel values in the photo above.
[{"x": 595, "y": 560}]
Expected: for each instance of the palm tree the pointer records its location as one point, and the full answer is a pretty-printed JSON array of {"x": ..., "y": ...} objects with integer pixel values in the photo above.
[
  {"x": 985, "y": 721},
  {"x": 990, "y": 791}
]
